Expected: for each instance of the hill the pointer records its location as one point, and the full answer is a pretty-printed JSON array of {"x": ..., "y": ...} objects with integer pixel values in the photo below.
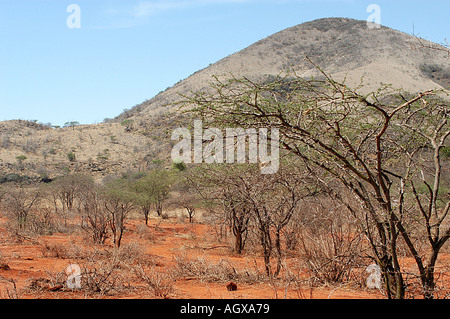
[
  {"x": 344, "y": 48},
  {"x": 341, "y": 47}
]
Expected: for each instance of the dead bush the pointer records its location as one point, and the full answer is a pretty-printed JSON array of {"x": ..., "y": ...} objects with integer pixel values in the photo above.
[
  {"x": 44, "y": 284},
  {"x": 10, "y": 288},
  {"x": 160, "y": 283},
  {"x": 129, "y": 254},
  {"x": 100, "y": 277},
  {"x": 222, "y": 271},
  {"x": 145, "y": 233},
  {"x": 102, "y": 272},
  {"x": 331, "y": 256},
  {"x": 42, "y": 222},
  {"x": 55, "y": 251}
]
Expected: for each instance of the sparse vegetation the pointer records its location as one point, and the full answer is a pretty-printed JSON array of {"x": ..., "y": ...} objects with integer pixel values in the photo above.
[
  {"x": 369, "y": 147},
  {"x": 72, "y": 124},
  {"x": 363, "y": 179},
  {"x": 71, "y": 157},
  {"x": 437, "y": 73},
  {"x": 21, "y": 158}
]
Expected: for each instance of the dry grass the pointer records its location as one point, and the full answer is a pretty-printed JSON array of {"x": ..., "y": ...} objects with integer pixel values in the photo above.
[
  {"x": 159, "y": 282},
  {"x": 223, "y": 271},
  {"x": 8, "y": 288},
  {"x": 94, "y": 149}
]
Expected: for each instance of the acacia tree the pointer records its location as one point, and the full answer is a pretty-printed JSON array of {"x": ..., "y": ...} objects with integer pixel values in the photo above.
[
  {"x": 266, "y": 203},
  {"x": 219, "y": 186},
  {"x": 152, "y": 190},
  {"x": 91, "y": 208},
  {"x": 373, "y": 145},
  {"x": 119, "y": 200},
  {"x": 187, "y": 185},
  {"x": 64, "y": 190},
  {"x": 144, "y": 198},
  {"x": 20, "y": 201}
]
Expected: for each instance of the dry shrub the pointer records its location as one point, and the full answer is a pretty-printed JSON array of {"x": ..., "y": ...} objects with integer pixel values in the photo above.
[
  {"x": 104, "y": 270},
  {"x": 73, "y": 250},
  {"x": 101, "y": 277},
  {"x": 144, "y": 232},
  {"x": 222, "y": 271},
  {"x": 160, "y": 283},
  {"x": 55, "y": 250},
  {"x": 42, "y": 222},
  {"x": 203, "y": 269},
  {"x": 9, "y": 290},
  {"x": 111, "y": 270},
  {"x": 294, "y": 278},
  {"x": 55, "y": 282},
  {"x": 331, "y": 249}
]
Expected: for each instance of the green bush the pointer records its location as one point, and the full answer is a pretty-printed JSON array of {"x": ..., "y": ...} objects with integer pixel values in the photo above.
[
  {"x": 180, "y": 166},
  {"x": 21, "y": 158},
  {"x": 71, "y": 156}
]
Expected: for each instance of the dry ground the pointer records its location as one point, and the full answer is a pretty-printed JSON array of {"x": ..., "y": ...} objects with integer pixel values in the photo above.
[{"x": 37, "y": 264}]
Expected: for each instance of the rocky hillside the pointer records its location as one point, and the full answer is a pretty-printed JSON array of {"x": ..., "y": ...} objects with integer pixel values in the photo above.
[
  {"x": 30, "y": 150},
  {"x": 341, "y": 47},
  {"x": 139, "y": 137}
]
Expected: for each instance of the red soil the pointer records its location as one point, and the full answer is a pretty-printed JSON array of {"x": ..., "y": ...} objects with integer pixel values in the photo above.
[{"x": 169, "y": 238}]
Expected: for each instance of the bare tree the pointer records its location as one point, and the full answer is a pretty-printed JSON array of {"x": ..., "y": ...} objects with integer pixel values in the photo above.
[
  {"x": 264, "y": 202},
  {"x": 273, "y": 200},
  {"x": 64, "y": 190},
  {"x": 330, "y": 242},
  {"x": 370, "y": 144},
  {"x": 94, "y": 218},
  {"x": 19, "y": 201},
  {"x": 219, "y": 186}
]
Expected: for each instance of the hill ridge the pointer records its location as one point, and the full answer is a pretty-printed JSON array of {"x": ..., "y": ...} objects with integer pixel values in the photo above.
[{"x": 340, "y": 46}]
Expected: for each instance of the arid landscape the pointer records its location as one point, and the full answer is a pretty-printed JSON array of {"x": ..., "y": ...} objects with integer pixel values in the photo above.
[
  {"x": 142, "y": 133},
  {"x": 357, "y": 210},
  {"x": 186, "y": 262}
]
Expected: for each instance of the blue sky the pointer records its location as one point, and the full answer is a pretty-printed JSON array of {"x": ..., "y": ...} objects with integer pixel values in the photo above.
[{"x": 126, "y": 51}]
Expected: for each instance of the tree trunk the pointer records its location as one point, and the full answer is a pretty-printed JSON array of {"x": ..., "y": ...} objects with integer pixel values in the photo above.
[
  {"x": 428, "y": 283},
  {"x": 278, "y": 248},
  {"x": 146, "y": 211},
  {"x": 238, "y": 242},
  {"x": 159, "y": 208},
  {"x": 118, "y": 238},
  {"x": 266, "y": 244}
]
